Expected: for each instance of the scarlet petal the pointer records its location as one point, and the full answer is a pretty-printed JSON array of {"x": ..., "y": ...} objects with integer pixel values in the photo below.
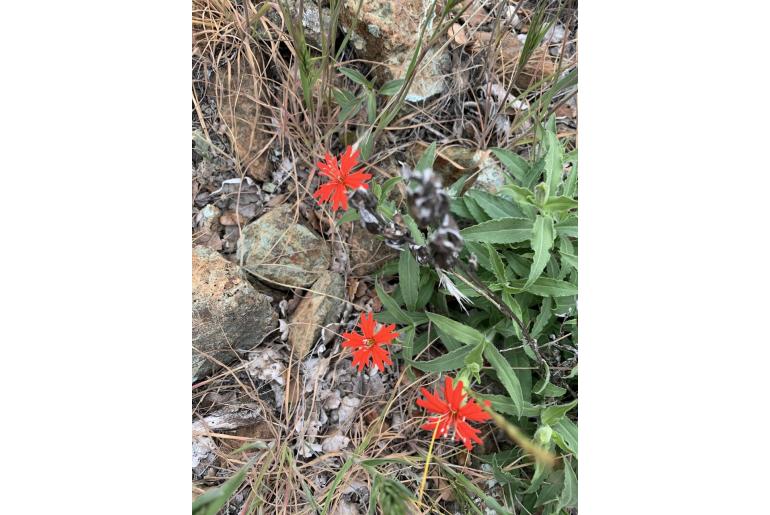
[
  {"x": 473, "y": 411},
  {"x": 361, "y": 358},
  {"x": 356, "y": 180},
  {"x": 385, "y": 334},
  {"x": 380, "y": 356},
  {"x": 466, "y": 432},
  {"x": 432, "y": 403},
  {"x": 349, "y": 159},
  {"x": 367, "y": 324},
  {"x": 325, "y": 191},
  {"x": 352, "y": 340},
  {"x": 340, "y": 197}
]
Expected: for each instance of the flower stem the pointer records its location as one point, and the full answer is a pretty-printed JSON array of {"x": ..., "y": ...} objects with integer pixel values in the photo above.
[{"x": 427, "y": 463}]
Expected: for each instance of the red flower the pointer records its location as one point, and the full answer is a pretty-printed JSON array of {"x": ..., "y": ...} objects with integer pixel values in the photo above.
[
  {"x": 368, "y": 345},
  {"x": 453, "y": 413},
  {"x": 340, "y": 179}
]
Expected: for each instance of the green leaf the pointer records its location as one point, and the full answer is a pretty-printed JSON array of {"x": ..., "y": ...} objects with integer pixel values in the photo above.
[
  {"x": 475, "y": 360},
  {"x": 427, "y": 158},
  {"x": 524, "y": 197},
  {"x": 427, "y": 288},
  {"x": 545, "y": 287},
  {"x": 388, "y": 186},
  {"x": 391, "y": 87},
  {"x": 513, "y": 162},
  {"x": 570, "y": 185},
  {"x": 569, "y": 493},
  {"x": 349, "y": 110},
  {"x": 407, "y": 342},
  {"x": 371, "y": 106},
  {"x": 560, "y": 204},
  {"x": 413, "y": 229},
  {"x": 548, "y": 389},
  {"x": 554, "y": 163},
  {"x": 542, "y": 240},
  {"x": 356, "y": 76},
  {"x": 458, "y": 208},
  {"x": 453, "y": 360},
  {"x": 351, "y": 215},
  {"x": 513, "y": 306},
  {"x": 566, "y": 436},
  {"x": 542, "y": 319},
  {"x": 568, "y": 227},
  {"x": 553, "y": 414},
  {"x": 540, "y": 386},
  {"x": 409, "y": 278},
  {"x": 504, "y": 404},
  {"x": 497, "y": 264},
  {"x": 506, "y": 375},
  {"x": 212, "y": 501},
  {"x": 475, "y": 210},
  {"x": 391, "y": 305},
  {"x": 495, "y": 207},
  {"x": 343, "y": 97},
  {"x": 502, "y": 230},
  {"x": 460, "y": 332}
]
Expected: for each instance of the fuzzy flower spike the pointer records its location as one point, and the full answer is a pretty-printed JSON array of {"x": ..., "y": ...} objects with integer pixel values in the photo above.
[
  {"x": 369, "y": 346},
  {"x": 340, "y": 179},
  {"x": 452, "y": 413}
]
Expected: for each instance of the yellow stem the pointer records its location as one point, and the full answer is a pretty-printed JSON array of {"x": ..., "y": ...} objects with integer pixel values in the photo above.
[{"x": 427, "y": 463}]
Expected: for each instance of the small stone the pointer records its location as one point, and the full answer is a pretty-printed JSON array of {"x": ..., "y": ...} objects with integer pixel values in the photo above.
[
  {"x": 227, "y": 312},
  {"x": 275, "y": 249},
  {"x": 347, "y": 410},
  {"x": 316, "y": 310},
  {"x": 335, "y": 443},
  {"x": 207, "y": 227}
]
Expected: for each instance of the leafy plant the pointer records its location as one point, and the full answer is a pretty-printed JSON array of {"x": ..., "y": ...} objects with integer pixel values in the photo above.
[{"x": 519, "y": 258}]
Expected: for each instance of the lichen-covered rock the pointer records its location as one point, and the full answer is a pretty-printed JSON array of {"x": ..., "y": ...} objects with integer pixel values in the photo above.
[
  {"x": 288, "y": 255},
  {"x": 387, "y": 31},
  {"x": 315, "y": 311},
  {"x": 312, "y": 19},
  {"x": 227, "y": 312}
]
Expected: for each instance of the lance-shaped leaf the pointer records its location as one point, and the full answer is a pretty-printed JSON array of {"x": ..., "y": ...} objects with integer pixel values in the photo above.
[
  {"x": 542, "y": 241},
  {"x": 506, "y": 375}
]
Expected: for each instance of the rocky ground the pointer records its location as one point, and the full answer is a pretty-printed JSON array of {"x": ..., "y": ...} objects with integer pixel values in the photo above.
[{"x": 275, "y": 280}]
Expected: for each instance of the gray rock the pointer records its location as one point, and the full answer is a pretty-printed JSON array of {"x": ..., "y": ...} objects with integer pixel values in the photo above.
[
  {"x": 387, "y": 31},
  {"x": 315, "y": 311},
  {"x": 275, "y": 249},
  {"x": 227, "y": 312},
  {"x": 312, "y": 19}
]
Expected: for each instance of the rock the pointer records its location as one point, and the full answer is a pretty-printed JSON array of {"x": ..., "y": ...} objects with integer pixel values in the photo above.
[
  {"x": 227, "y": 312},
  {"x": 367, "y": 252},
  {"x": 315, "y": 311},
  {"x": 347, "y": 508},
  {"x": 277, "y": 250},
  {"x": 387, "y": 31},
  {"x": 347, "y": 411},
  {"x": 240, "y": 111},
  {"x": 312, "y": 17},
  {"x": 207, "y": 227},
  {"x": 335, "y": 442},
  {"x": 453, "y": 162}
]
